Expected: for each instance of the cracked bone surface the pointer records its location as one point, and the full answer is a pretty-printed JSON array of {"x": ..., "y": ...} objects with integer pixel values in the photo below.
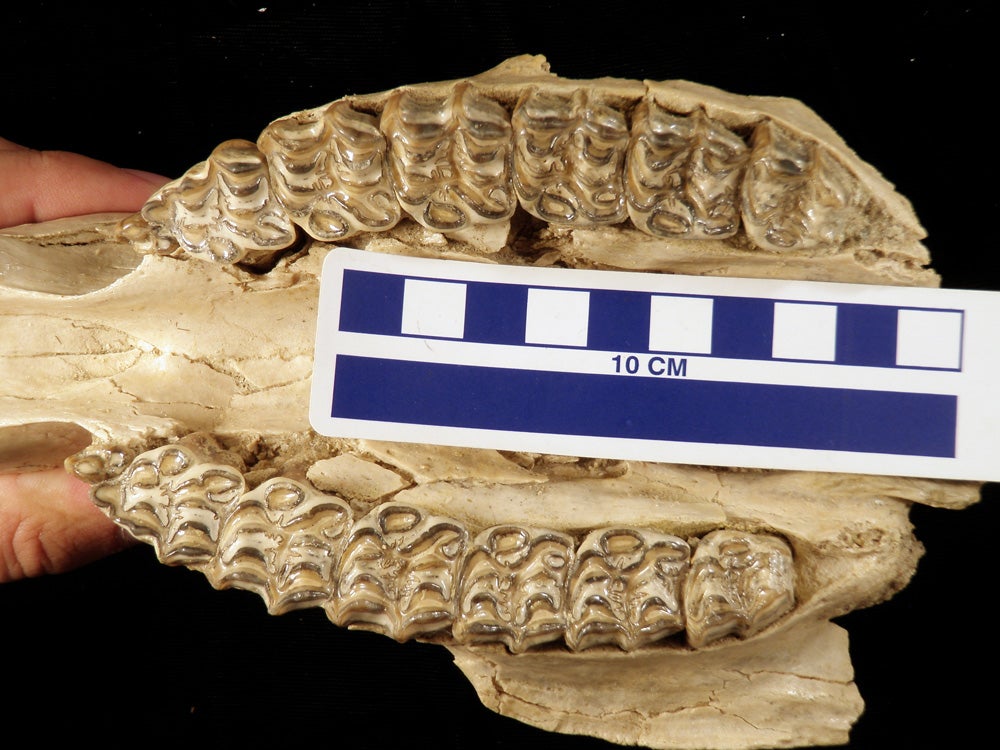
[{"x": 166, "y": 357}]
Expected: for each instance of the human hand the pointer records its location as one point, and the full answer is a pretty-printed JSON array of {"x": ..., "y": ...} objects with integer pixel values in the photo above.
[{"x": 47, "y": 522}]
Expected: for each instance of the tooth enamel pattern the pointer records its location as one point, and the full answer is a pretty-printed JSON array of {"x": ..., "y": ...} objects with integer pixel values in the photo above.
[
  {"x": 328, "y": 169},
  {"x": 280, "y": 541},
  {"x": 450, "y": 159},
  {"x": 626, "y": 589},
  {"x": 223, "y": 208},
  {"x": 398, "y": 574},
  {"x": 569, "y": 152},
  {"x": 739, "y": 584},
  {"x": 794, "y": 195},
  {"x": 408, "y": 574},
  {"x": 125, "y": 360},
  {"x": 459, "y": 157},
  {"x": 513, "y": 584},
  {"x": 684, "y": 174}
]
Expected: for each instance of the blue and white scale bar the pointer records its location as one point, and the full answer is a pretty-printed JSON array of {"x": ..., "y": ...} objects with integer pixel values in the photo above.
[{"x": 734, "y": 372}]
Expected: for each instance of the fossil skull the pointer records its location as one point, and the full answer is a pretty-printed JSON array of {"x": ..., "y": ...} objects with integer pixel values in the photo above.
[{"x": 166, "y": 357}]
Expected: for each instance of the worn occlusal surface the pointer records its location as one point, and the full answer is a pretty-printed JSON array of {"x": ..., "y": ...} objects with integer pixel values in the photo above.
[{"x": 168, "y": 355}]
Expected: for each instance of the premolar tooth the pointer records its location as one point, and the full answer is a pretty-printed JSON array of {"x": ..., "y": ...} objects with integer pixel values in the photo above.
[
  {"x": 683, "y": 174},
  {"x": 222, "y": 209},
  {"x": 328, "y": 170},
  {"x": 282, "y": 541},
  {"x": 398, "y": 574},
  {"x": 739, "y": 584},
  {"x": 569, "y": 154},
  {"x": 246, "y": 546},
  {"x": 198, "y": 498},
  {"x": 512, "y": 587},
  {"x": 138, "y": 493},
  {"x": 626, "y": 589},
  {"x": 795, "y": 195},
  {"x": 449, "y": 158},
  {"x": 314, "y": 527}
]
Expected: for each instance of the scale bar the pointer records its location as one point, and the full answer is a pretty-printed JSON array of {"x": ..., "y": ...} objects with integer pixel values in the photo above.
[{"x": 672, "y": 409}]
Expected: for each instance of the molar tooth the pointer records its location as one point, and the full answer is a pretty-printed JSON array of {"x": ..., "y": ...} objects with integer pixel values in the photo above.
[
  {"x": 282, "y": 541},
  {"x": 449, "y": 158},
  {"x": 222, "y": 209},
  {"x": 328, "y": 170},
  {"x": 739, "y": 584},
  {"x": 398, "y": 573},
  {"x": 569, "y": 153},
  {"x": 626, "y": 589},
  {"x": 246, "y": 547},
  {"x": 795, "y": 195},
  {"x": 198, "y": 497},
  {"x": 683, "y": 174},
  {"x": 512, "y": 587}
]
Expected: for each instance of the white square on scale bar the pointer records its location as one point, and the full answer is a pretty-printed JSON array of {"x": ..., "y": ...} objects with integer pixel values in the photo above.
[
  {"x": 804, "y": 331},
  {"x": 433, "y": 308},
  {"x": 557, "y": 316},
  {"x": 680, "y": 324},
  {"x": 929, "y": 338}
]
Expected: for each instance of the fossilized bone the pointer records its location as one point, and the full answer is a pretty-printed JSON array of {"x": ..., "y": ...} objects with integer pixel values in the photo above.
[{"x": 168, "y": 354}]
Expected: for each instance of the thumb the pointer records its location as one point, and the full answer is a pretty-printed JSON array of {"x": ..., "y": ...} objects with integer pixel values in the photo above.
[
  {"x": 49, "y": 525},
  {"x": 42, "y": 185}
]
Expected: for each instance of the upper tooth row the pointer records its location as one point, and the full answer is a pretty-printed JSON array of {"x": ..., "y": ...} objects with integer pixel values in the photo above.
[
  {"x": 406, "y": 573},
  {"x": 462, "y": 160}
]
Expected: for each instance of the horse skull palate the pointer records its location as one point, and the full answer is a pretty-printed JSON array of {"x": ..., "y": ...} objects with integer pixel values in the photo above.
[{"x": 166, "y": 358}]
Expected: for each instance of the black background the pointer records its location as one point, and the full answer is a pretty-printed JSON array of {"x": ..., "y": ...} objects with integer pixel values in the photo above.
[{"x": 126, "y": 648}]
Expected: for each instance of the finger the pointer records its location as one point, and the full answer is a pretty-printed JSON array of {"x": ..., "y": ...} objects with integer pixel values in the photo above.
[
  {"x": 41, "y": 185},
  {"x": 49, "y": 525},
  {"x": 6, "y": 145}
]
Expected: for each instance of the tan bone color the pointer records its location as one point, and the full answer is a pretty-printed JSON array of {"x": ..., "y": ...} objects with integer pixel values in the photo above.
[{"x": 167, "y": 358}]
